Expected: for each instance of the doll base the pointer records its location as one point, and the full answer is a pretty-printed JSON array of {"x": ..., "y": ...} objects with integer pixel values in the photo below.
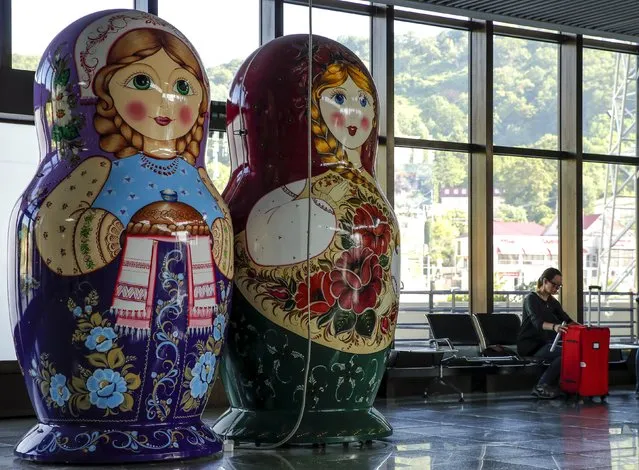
[
  {"x": 317, "y": 426},
  {"x": 121, "y": 442}
]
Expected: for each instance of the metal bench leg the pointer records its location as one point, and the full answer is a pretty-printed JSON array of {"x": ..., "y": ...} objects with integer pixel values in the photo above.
[{"x": 439, "y": 383}]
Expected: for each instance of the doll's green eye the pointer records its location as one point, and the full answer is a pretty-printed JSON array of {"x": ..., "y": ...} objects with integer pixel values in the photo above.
[
  {"x": 182, "y": 87},
  {"x": 140, "y": 81}
]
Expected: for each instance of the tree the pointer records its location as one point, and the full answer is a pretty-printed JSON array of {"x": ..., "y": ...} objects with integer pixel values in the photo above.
[
  {"x": 408, "y": 121},
  {"x": 25, "y": 62},
  {"x": 530, "y": 184},
  {"x": 450, "y": 170},
  {"x": 220, "y": 78},
  {"x": 442, "y": 240},
  {"x": 219, "y": 174},
  {"x": 508, "y": 213},
  {"x": 359, "y": 45}
]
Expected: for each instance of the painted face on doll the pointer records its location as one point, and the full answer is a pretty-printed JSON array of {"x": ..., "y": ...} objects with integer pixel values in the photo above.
[
  {"x": 157, "y": 97},
  {"x": 348, "y": 112}
]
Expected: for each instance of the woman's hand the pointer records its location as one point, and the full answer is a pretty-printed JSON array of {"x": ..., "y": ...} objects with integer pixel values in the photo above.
[{"x": 559, "y": 328}]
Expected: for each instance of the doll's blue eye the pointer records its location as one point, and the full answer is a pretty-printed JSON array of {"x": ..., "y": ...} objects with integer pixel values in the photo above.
[
  {"x": 363, "y": 101},
  {"x": 339, "y": 98}
]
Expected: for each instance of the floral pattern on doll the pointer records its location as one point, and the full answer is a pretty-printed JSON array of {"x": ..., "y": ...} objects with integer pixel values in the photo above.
[
  {"x": 202, "y": 361},
  {"x": 106, "y": 380},
  {"x": 52, "y": 385},
  {"x": 100, "y": 339},
  {"x": 64, "y": 119},
  {"x": 202, "y": 374},
  {"x": 198, "y": 378},
  {"x": 349, "y": 297}
]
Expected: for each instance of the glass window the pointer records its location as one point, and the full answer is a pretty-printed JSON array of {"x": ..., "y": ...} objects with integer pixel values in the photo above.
[
  {"x": 223, "y": 33},
  {"x": 525, "y": 235},
  {"x": 431, "y": 204},
  {"x": 431, "y": 82},
  {"x": 609, "y": 226},
  {"x": 218, "y": 161},
  {"x": 525, "y": 93},
  {"x": 18, "y": 163},
  {"x": 27, "y": 46},
  {"x": 508, "y": 258},
  {"x": 349, "y": 29},
  {"x": 609, "y": 102}
]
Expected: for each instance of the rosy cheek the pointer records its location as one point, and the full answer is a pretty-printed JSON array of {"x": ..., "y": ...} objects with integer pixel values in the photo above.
[
  {"x": 338, "y": 119},
  {"x": 365, "y": 123},
  {"x": 186, "y": 115},
  {"x": 136, "y": 110}
]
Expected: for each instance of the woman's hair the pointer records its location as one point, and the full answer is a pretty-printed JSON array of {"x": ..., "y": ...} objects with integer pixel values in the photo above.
[
  {"x": 116, "y": 135},
  {"x": 548, "y": 274},
  {"x": 328, "y": 147}
]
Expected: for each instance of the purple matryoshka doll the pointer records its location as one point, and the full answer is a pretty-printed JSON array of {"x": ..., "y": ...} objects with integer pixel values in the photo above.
[
  {"x": 123, "y": 248},
  {"x": 348, "y": 289}
]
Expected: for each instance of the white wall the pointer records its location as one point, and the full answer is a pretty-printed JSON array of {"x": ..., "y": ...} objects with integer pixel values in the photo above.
[{"x": 19, "y": 157}]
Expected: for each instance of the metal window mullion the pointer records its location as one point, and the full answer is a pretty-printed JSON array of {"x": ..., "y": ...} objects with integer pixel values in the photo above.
[
  {"x": 5, "y": 34},
  {"x": 608, "y": 46},
  {"x": 337, "y": 5},
  {"x": 443, "y": 145},
  {"x": 150, "y": 6},
  {"x": 271, "y": 20},
  {"x": 432, "y": 20},
  {"x": 543, "y": 36},
  {"x": 603, "y": 158},
  {"x": 636, "y": 189}
]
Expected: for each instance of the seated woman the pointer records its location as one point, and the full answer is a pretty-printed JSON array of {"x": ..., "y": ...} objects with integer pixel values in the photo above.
[{"x": 541, "y": 321}]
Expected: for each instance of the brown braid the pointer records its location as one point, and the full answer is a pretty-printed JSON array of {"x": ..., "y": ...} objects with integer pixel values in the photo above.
[
  {"x": 116, "y": 136},
  {"x": 328, "y": 147}
]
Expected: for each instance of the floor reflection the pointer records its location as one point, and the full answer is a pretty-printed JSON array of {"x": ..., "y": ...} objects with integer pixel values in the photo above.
[{"x": 487, "y": 432}]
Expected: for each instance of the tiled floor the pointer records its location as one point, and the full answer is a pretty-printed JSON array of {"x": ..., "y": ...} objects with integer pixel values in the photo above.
[{"x": 486, "y": 432}]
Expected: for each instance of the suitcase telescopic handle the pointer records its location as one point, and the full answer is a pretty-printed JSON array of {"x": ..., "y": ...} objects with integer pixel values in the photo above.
[
  {"x": 598, "y": 289},
  {"x": 554, "y": 343}
]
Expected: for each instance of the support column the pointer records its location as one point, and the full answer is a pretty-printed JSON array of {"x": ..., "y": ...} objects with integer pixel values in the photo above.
[
  {"x": 382, "y": 69},
  {"x": 570, "y": 175},
  {"x": 481, "y": 168}
]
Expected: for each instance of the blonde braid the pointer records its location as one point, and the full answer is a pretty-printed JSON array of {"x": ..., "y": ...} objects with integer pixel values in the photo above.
[
  {"x": 188, "y": 146},
  {"x": 116, "y": 136}
]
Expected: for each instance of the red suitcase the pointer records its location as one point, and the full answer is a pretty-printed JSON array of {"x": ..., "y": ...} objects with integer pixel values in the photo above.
[{"x": 584, "y": 361}]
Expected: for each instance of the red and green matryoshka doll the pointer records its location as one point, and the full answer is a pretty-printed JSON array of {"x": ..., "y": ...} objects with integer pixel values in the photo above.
[{"x": 353, "y": 248}]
